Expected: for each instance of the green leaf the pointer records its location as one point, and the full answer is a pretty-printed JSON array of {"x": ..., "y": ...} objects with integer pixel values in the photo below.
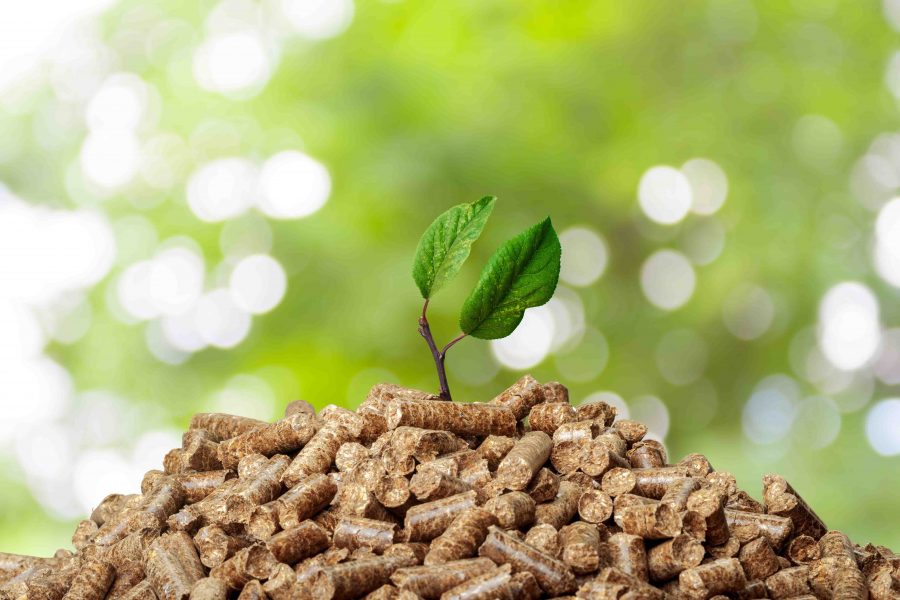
[
  {"x": 522, "y": 273},
  {"x": 446, "y": 243}
]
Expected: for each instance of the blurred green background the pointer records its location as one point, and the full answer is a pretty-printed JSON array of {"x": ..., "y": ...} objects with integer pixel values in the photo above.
[{"x": 214, "y": 206}]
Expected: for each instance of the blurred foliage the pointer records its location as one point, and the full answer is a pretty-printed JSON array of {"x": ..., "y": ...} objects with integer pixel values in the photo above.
[{"x": 556, "y": 108}]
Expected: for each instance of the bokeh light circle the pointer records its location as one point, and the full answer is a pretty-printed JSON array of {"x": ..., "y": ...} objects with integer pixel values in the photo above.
[
  {"x": 668, "y": 279},
  {"x": 664, "y": 194}
]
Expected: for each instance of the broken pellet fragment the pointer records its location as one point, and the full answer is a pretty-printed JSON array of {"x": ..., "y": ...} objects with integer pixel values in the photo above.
[
  {"x": 359, "y": 532},
  {"x": 426, "y": 521},
  {"x": 782, "y": 500},
  {"x": 554, "y": 577},
  {"x": 669, "y": 558},
  {"x": 580, "y": 544},
  {"x": 297, "y": 543},
  {"x": 460, "y": 418},
  {"x": 513, "y": 510},
  {"x": 430, "y": 581},
  {"x": 525, "y": 459},
  {"x": 281, "y": 437},
  {"x": 462, "y": 537},
  {"x": 353, "y": 579},
  {"x": 722, "y": 576},
  {"x": 521, "y": 396}
]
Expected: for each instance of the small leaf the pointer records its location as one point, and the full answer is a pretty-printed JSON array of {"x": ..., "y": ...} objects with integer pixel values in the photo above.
[
  {"x": 446, "y": 243},
  {"x": 522, "y": 273}
]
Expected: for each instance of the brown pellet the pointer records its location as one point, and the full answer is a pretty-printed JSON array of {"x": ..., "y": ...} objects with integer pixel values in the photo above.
[
  {"x": 460, "y": 418},
  {"x": 595, "y": 506},
  {"x": 627, "y": 553},
  {"x": 601, "y": 412},
  {"x": 173, "y": 566},
  {"x": 305, "y": 499},
  {"x": 776, "y": 529},
  {"x": 758, "y": 559},
  {"x": 359, "y": 532},
  {"x": 494, "y": 448},
  {"x": 209, "y": 588},
  {"x": 710, "y": 503},
  {"x": 92, "y": 581},
  {"x": 353, "y": 579},
  {"x": 649, "y": 521},
  {"x": 281, "y": 437},
  {"x": 224, "y": 426},
  {"x": 554, "y": 391},
  {"x": 524, "y": 460},
  {"x": 782, "y": 500},
  {"x": 127, "y": 576},
  {"x": 654, "y": 482},
  {"x": 434, "y": 485},
  {"x": 643, "y": 590},
  {"x": 424, "y": 444},
  {"x": 669, "y": 558},
  {"x": 385, "y": 592},
  {"x": 355, "y": 500},
  {"x": 722, "y": 576},
  {"x": 729, "y": 549},
  {"x": 513, "y": 510},
  {"x": 696, "y": 464},
  {"x": 462, "y": 537},
  {"x": 618, "y": 481},
  {"x": 561, "y": 509},
  {"x": 216, "y": 545},
  {"x": 545, "y": 538},
  {"x": 299, "y": 406},
  {"x": 580, "y": 547},
  {"x": 318, "y": 455},
  {"x": 253, "y": 590},
  {"x": 599, "y": 459},
  {"x": 550, "y": 416},
  {"x": 678, "y": 492},
  {"x": 631, "y": 431},
  {"x": 141, "y": 591},
  {"x": 165, "y": 499},
  {"x": 544, "y": 486},
  {"x": 426, "y": 521},
  {"x": 253, "y": 562},
  {"x": 394, "y": 491},
  {"x": 495, "y": 584},
  {"x": 298, "y": 543},
  {"x": 262, "y": 487},
  {"x": 349, "y": 456},
  {"x": 263, "y": 522},
  {"x": 430, "y": 581},
  {"x": 571, "y": 444},
  {"x": 788, "y": 583},
  {"x": 803, "y": 550},
  {"x": 741, "y": 500},
  {"x": 554, "y": 577},
  {"x": 521, "y": 396},
  {"x": 643, "y": 455}
]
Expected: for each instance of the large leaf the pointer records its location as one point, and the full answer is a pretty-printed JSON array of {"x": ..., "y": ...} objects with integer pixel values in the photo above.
[
  {"x": 522, "y": 273},
  {"x": 446, "y": 243}
]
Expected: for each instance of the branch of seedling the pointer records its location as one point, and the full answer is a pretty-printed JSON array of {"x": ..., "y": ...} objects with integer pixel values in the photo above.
[{"x": 496, "y": 305}]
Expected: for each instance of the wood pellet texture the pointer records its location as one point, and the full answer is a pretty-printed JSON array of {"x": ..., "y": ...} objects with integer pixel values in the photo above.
[{"x": 520, "y": 497}]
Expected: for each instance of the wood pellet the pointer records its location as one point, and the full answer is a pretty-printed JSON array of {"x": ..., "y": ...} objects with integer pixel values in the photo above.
[{"x": 520, "y": 497}]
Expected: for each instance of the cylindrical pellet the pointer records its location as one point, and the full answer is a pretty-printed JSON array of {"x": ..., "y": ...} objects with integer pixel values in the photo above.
[
  {"x": 600, "y": 459},
  {"x": 618, "y": 481},
  {"x": 554, "y": 577},
  {"x": 513, "y": 510},
  {"x": 524, "y": 460},
  {"x": 281, "y": 437},
  {"x": 788, "y": 583},
  {"x": 710, "y": 503},
  {"x": 803, "y": 550},
  {"x": 722, "y": 576},
  {"x": 544, "y": 486},
  {"x": 293, "y": 545},
  {"x": 601, "y": 412},
  {"x": 92, "y": 581},
  {"x": 627, "y": 553},
  {"x": 225, "y": 426},
  {"x": 654, "y": 482},
  {"x": 253, "y": 590},
  {"x": 209, "y": 588},
  {"x": 561, "y": 510},
  {"x": 521, "y": 396},
  {"x": 758, "y": 559},
  {"x": 353, "y": 579},
  {"x": 359, "y": 532},
  {"x": 669, "y": 558},
  {"x": 424, "y": 522},
  {"x": 460, "y": 418},
  {"x": 649, "y": 521},
  {"x": 776, "y": 529},
  {"x": 494, "y": 448},
  {"x": 631, "y": 431},
  {"x": 305, "y": 499},
  {"x": 545, "y": 538},
  {"x": 462, "y": 537},
  {"x": 679, "y": 491},
  {"x": 216, "y": 545},
  {"x": 580, "y": 543},
  {"x": 251, "y": 492},
  {"x": 253, "y": 562},
  {"x": 434, "y": 485},
  {"x": 644, "y": 455},
  {"x": 173, "y": 566},
  {"x": 319, "y": 453},
  {"x": 782, "y": 500},
  {"x": 549, "y": 416},
  {"x": 595, "y": 506},
  {"x": 430, "y": 581}
]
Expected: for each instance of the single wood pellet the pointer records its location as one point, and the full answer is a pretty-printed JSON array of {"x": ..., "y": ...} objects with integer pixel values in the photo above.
[{"x": 411, "y": 497}]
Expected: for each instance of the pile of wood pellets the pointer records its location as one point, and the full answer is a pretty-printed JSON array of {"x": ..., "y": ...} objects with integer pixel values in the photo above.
[{"x": 411, "y": 497}]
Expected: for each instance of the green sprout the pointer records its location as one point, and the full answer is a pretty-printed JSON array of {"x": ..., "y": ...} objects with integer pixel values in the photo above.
[{"x": 522, "y": 273}]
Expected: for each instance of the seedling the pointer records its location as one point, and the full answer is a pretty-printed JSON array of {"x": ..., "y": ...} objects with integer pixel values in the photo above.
[{"x": 522, "y": 273}]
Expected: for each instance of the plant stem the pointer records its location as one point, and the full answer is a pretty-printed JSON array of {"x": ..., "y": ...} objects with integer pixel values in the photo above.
[{"x": 425, "y": 332}]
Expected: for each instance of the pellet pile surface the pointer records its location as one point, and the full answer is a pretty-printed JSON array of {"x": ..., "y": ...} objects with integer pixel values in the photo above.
[{"x": 410, "y": 497}]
